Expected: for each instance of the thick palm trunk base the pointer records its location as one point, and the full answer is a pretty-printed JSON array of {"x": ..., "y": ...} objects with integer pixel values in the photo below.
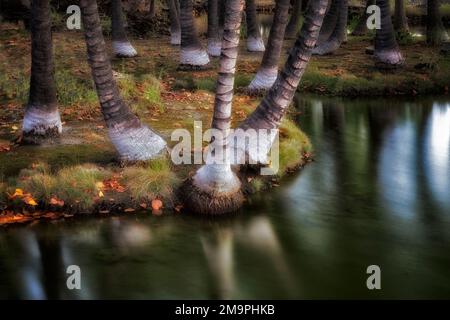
[
  {"x": 208, "y": 201},
  {"x": 328, "y": 47},
  {"x": 193, "y": 59},
  {"x": 40, "y": 125},
  {"x": 124, "y": 49},
  {"x": 339, "y": 34},
  {"x": 175, "y": 38},
  {"x": 263, "y": 80},
  {"x": 135, "y": 144},
  {"x": 255, "y": 44},
  {"x": 214, "y": 47},
  {"x": 388, "y": 59}
]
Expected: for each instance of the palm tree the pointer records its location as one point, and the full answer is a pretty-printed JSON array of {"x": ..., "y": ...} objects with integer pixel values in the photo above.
[
  {"x": 435, "y": 29},
  {"x": 255, "y": 42},
  {"x": 121, "y": 46},
  {"x": 339, "y": 33},
  {"x": 132, "y": 140},
  {"x": 294, "y": 22},
  {"x": 330, "y": 21},
  {"x": 215, "y": 188},
  {"x": 361, "y": 27},
  {"x": 387, "y": 53},
  {"x": 273, "y": 107},
  {"x": 400, "y": 19},
  {"x": 41, "y": 119},
  {"x": 214, "y": 39},
  {"x": 268, "y": 70},
  {"x": 174, "y": 16},
  {"x": 192, "y": 53}
]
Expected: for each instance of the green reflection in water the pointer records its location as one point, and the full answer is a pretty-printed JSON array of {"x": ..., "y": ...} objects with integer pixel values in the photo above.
[{"x": 376, "y": 194}]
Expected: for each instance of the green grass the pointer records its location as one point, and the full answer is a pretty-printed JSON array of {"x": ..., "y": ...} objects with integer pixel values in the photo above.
[
  {"x": 154, "y": 179},
  {"x": 205, "y": 84},
  {"x": 77, "y": 185},
  {"x": 242, "y": 80},
  {"x": 152, "y": 91},
  {"x": 293, "y": 144},
  {"x": 72, "y": 90},
  {"x": 142, "y": 92},
  {"x": 257, "y": 185},
  {"x": 405, "y": 38},
  {"x": 14, "y": 86}
]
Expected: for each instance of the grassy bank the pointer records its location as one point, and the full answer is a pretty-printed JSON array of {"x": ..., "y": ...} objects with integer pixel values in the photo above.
[{"x": 50, "y": 190}]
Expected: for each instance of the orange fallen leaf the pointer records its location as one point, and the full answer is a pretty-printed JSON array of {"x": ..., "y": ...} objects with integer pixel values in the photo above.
[
  {"x": 5, "y": 148},
  {"x": 17, "y": 193},
  {"x": 56, "y": 202},
  {"x": 156, "y": 204},
  {"x": 29, "y": 200}
]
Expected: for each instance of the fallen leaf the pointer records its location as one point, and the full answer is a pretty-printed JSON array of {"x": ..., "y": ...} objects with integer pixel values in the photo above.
[
  {"x": 29, "y": 200},
  {"x": 129, "y": 210},
  {"x": 143, "y": 205},
  {"x": 100, "y": 194},
  {"x": 17, "y": 193},
  {"x": 156, "y": 204},
  {"x": 5, "y": 148},
  {"x": 56, "y": 202}
]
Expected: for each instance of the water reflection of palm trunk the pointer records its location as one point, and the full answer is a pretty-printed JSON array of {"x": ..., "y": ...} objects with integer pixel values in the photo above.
[
  {"x": 334, "y": 123},
  {"x": 52, "y": 265},
  {"x": 381, "y": 119},
  {"x": 261, "y": 236},
  {"x": 429, "y": 208},
  {"x": 218, "y": 249}
]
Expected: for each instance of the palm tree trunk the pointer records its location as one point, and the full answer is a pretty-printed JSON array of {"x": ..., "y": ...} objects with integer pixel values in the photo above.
[
  {"x": 255, "y": 42},
  {"x": 132, "y": 140},
  {"x": 273, "y": 107},
  {"x": 214, "y": 39},
  {"x": 121, "y": 46},
  {"x": 174, "y": 16},
  {"x": 192, "y": 53},
  {"x": 435, "y": 28},
  {"x": 387, "y": 53},
  {"x": 42, "y": 119},
  {"x": 268, "y": 70},
  {"x": 215, "y": 189},
  {"x": 339, "y": 33},
  {"x": 361, "y": 27},
  {"x": 329, "y": 22},
  {"x": 294, "y": 22},
  {"x": 400, "y": 19}
]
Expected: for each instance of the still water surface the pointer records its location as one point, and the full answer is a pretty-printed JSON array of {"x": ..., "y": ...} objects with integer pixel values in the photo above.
[{"x": 377, "y": 193}]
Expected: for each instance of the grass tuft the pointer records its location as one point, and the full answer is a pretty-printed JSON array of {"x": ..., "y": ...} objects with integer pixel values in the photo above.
[
  {"x": 154, "y": 179},
  {"x": 293, "y": 144},
  {"x": 77, "y": 185}
]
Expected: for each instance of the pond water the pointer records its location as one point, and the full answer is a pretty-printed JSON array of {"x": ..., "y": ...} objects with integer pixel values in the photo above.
[{"x": 376, "y": 194}]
